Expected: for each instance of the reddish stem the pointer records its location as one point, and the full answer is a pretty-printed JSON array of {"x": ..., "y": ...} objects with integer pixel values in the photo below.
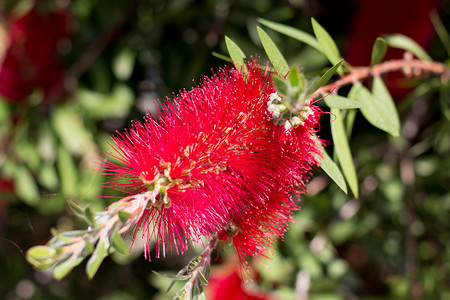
[{"x": 411, "y": 67}]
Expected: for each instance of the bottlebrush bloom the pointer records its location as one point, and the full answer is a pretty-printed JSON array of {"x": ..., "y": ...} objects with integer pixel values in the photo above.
[{"x": 217, "y": 164}]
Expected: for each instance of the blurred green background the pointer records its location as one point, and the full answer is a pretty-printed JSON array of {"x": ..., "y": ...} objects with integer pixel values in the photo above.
[{"x": 118, "y": 58}]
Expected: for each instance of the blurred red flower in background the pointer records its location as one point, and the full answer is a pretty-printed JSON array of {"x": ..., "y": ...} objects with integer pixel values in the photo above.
[
  {"x": 374, "y": 18},
  {"x": 31, "y": 58},
  {"x": 227, "y": 284}
]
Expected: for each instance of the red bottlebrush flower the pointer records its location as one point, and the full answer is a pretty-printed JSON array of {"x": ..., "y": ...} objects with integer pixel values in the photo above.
[
  {"x": 31, "y": 60},
  {"x": 214, "y": 160},
  {"x": 254, "y": 234}
]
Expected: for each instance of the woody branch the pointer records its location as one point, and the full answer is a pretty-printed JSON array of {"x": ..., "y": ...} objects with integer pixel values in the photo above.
[{"x": 411, "y": 68}]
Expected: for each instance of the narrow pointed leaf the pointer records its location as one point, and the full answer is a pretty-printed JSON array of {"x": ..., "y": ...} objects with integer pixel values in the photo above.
[
  {"x": 67, "y": 171},
  {"x": 342, "y": 150},
  {"x": 332, "y": 170},
  {"x": 349, "y": 121},
  {"x": 327, "y": 44},
  {"x": 336, "y": 101},
  {"x": 293, "y": 33},
  {"x": 293, "y": 77},
  {"x": 89, "y": 215},
  {"x": 236, "y": 54},
  {"x": 221, "y": 56},
  {"x": 25, "y": 186},
  {"x": 64, "y": 267},
  {"x": 280, "y": 84},
  {"x": 42, "y": 252},
  {"x": 203, "y": 279},
  {"x": 379, "y": 111},
  {"x": 78, "y": 210},
  {"x": 328, "y": 74},
  {"x": 441, "y": 30},
  {"x": 174, "y": 277},
  {"x": 387, "y": 106},
  {"x": 378, "y": 51},
  {"x": 100, "y": 252},
  {"x": 118, "y": 243},
  {"x": 123, "y": 216},
  {"x": 193, "y": 263},
  {"x": 182, "y": 295},
  {"x": 403, "y": 42},
  {"x": 275, "y": 56}
]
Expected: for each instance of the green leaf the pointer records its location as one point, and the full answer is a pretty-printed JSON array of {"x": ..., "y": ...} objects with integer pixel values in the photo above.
[
  {"x": 342, "y": 150},
  {"x": 403, "y": 42},
  {"x": 63, "y": 268},
  {"x": 123, "y": 216},
  {"x": 100, "y": 252},
  {"x": 378, "y": 51},
  {"x": 42, "y": 252},
  {"x": 327, "y": 44},
  {"x": 99, "y": 106},
  {"x": 221, "y": 56},
  {"x": 69, "y": 126},
  {"x": 123, "y": 64},
  {"x": 28, "y": 154},
  {"x": 48, "y": 176},
  {"x": 332, "y": 170},
  {"x": 385, "y": 102},
  {"x": 340, "y": 102},
  {"x": 25, "y": 186},
  {"x": 293, "y": 33},
  {"x": 67, "y": 171},
  {"x": 293, "y": 77},
  {"x": 349, "y": 121},
  {"x": 280, "y": 84},
  {"x": 78, "y": 210},
  {"x": 328, "y": 74},
  {"x": 236, "y": 54},
  {"x": 46, "y": 144},
  {"x": 174, "y": 277},
  {"x": 378, "y": 108},
  {"x": 203, "y": 279},
  {"x": 118, "y": 243},
  {"x": 181, "y": 295},
  {"x": 89, "y": 215},
  {"x": 193, "y": 263},
  {"x": 441, "y": 31},
  {"x": 276, "y": 58}
]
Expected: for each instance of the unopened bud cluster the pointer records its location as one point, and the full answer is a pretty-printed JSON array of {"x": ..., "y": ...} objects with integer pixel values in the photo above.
[{"x": 285, "y": 113}]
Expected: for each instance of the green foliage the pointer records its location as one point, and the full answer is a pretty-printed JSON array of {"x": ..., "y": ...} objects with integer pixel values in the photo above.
[
  {"x": 378, "y": 107},
  {"x": 403, "y": 42},
  {"x": 293, "y": 33},
  {"x": 328, "y": 74},
  {"x": 236, "y": 54},
  {"x": 345, "y": 248},
  {"x": 275, "y": 56},
  {"x": 378, "y": 51},
  {"x": 332, "y": 170},
  {"x": 342, "y": 150},
  {"x": 327, "y": 44}
]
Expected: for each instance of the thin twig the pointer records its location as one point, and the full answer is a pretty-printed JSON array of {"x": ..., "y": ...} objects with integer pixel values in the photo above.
[{"x": 411, "y": 67}]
